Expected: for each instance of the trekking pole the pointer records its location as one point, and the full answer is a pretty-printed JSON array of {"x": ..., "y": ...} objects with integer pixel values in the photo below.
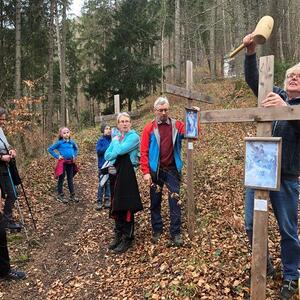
[
  {"x": 25, "y": 196},
  {"x": 22, "y": 219},
  {"x": 28, "y": 205}
]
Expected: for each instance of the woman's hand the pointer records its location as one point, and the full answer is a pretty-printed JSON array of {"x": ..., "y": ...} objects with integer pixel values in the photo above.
[
  {"x": 60, "y": 157},
  {"x": 147, "y": 179},
  {"x": 6, "y": 157}
]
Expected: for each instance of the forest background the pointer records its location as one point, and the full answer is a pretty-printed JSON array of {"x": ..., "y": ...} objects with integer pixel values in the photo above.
[{"x": 57, "y": 69}]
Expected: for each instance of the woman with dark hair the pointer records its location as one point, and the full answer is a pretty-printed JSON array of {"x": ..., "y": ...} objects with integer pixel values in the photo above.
[{"x": 123, "y": 154}]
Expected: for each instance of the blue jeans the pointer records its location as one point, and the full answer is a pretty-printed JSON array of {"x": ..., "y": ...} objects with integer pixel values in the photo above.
[
  {"x": 69, "y": 170},
  {"x": 285, "y": 206},
  {"x": 103, "y": 190},
  {"x": 171, "y": 178}
]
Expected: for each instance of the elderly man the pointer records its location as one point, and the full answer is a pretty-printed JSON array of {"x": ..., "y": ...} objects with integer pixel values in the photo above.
[
  {"x": 284, "y": 202},
  {"x": 161, "y": 165}
]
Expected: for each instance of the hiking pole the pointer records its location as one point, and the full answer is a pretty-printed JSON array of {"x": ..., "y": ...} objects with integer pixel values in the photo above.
[
  {"x": 25, "y": 196},
  {"x": 22, "y": 219},
  {"x": 28, "y": 205}
]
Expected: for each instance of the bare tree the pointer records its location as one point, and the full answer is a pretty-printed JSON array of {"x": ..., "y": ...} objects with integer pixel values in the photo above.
[
  {"x": 50, "y": 98},
  {"x": 18, "y": 51},
  {"x": 61, "y": 45},
  {"x": 177, "y": 42}
]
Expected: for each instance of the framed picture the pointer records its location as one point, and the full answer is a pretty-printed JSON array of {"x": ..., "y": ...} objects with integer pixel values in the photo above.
[
  {"x": 191, "y": 123},
  {"x": 263, "y": 163}
]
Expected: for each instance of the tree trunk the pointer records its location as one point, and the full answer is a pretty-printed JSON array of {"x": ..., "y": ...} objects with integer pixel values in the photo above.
[
  {"x": 163, "y": 13},
  {"x": 177, "y": 43},
  {"x": 18, "y": 51},
  {"x": 61, "y": 46},
  {"x": 49, "y": 112},
  {"x": 212, "y": 50}
]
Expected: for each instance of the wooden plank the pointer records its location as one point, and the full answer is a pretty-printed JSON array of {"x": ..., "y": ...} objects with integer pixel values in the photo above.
[
  {"x": 117, "y": 103},
  {"x": 191, "y": 209},
  {"x": 133, "y": 114},
  {"x": 254, "y": 114},
  {"x": 260, "y": 222},
  {"x": 187, "y": 93}
]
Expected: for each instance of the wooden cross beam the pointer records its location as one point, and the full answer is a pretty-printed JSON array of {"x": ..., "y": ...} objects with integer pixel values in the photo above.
[
  {"x": 187, "y": 93},
  {"x": 264, "y": 118}
]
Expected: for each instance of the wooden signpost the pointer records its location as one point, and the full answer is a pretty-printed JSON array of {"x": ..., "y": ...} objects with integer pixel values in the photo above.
[
  {"x": 190, "y": 95},
  {"x": 264, "y": 118},
  {"x": 117, "y": 104}
]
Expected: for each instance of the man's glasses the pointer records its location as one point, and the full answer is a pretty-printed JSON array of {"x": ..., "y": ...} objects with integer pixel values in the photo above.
[
  {"x": 292, "y": 75},
  {"x": 162, "y": 110},
  {"x": 2, "y": 119}
]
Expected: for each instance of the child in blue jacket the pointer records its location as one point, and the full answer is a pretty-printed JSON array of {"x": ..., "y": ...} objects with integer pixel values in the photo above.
[
  {"x": 101, "y": 146},
  {"x": 65, "y": 151}
]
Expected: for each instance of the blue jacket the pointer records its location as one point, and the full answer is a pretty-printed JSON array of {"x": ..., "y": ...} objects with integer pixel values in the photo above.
[
  {"x": 101, "y": 146},
  {"x": 288, "y": 130},
  {"x": 130, "y": 144},
  {"x": 67, "y": 149}
]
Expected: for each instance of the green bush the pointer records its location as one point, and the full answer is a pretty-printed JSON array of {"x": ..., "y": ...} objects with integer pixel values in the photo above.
[
  {"x": 85, "y": 118},
  {"x": 280, "y": 68}
]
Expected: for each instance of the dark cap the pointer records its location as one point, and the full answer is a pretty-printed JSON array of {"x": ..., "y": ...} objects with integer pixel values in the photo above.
[{"x": 103, "y": 127}]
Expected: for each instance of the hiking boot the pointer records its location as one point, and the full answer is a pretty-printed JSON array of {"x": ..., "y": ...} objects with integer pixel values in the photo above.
[
  {"x": 155, "y": 237},
  {"x": 14, "y": 226},
  {"x": 115, "y": 242},
  {"x": 177, "y": 240},
  {"x": 74, "y": 198},
  {"x": 60, "y": 198},
  {"x": 99, "y": 206},
  {"x": 15, "y": 275},
  {"x": 123, "y": 246},
  {"x": 289, "y": 289},
  {"x": 107, "y": 204}
]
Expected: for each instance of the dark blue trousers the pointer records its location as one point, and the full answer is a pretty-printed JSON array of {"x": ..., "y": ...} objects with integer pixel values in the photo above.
[
  {"x": 69, "y": 170},
  {"x": 170, "y": 178}
]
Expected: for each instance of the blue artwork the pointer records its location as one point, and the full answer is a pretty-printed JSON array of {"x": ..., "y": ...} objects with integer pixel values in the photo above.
[
  {"x": 261, "y": 164},
  {"x": 191, "y": 123}
]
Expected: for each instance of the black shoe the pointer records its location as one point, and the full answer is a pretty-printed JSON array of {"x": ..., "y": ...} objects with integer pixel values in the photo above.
[
  {"x": 177, "y": 240},
  {"x": 155, "y": 237},
  {"x": 289, "y": 289},
  {"x": 14, "y": 226},
  {"x": 123, "y": 246},
  {"x": 74, "y": 198},
  {"x": 106, "y": 203},
  {"x": 15, "y": 275},
  {"x": 116, "y": 241}
]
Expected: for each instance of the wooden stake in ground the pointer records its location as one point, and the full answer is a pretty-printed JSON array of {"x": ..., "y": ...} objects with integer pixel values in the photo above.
[
  {"x": 117, "y": 103},
  {"x": 190, "y": 95},
  {"x": 264, "y": 118}
]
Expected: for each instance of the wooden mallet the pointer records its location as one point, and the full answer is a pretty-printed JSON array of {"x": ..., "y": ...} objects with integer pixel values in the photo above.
[{"x": 261, "y": 33}]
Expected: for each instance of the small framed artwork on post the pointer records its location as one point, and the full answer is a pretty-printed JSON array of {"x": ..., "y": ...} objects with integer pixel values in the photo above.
[
  {"x": 191, "y": 123},
  {"x": 263, "y": 163}
]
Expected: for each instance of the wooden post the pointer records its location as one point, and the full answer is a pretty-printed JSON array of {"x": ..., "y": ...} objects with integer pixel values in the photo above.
[
  {"x": 260, "y": 222},
  {"x": 117, "y": 103},
  {"x": 190, "y": 186}
]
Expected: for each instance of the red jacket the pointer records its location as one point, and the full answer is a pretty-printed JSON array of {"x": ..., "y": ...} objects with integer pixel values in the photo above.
[{"x": 150, "y": 146}]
